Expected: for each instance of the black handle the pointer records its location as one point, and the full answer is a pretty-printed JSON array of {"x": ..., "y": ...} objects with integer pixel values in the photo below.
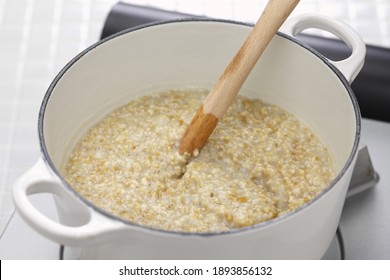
[
  {"x": 371, "y": 86},
  {"x": 124, "y": 15}
]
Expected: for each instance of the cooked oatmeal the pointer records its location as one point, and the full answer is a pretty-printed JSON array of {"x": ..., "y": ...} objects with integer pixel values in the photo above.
[{"x": 259, "y": 163}]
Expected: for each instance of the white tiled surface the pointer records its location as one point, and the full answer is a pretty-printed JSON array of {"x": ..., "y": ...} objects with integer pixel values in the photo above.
[{"x": 37, "y": 37}]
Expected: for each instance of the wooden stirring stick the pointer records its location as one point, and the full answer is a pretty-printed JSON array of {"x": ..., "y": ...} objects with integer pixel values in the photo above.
[{"x": 229, "y": 83}]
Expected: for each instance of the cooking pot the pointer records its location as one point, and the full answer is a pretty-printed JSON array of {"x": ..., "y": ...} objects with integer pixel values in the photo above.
[{"x": 193, "y": 53}]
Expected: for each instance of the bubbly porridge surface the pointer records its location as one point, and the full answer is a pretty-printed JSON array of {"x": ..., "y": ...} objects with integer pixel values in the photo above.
[{"x": 259, "y": 163}]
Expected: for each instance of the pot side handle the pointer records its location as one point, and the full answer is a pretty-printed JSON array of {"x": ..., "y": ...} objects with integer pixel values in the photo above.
[
  {"x": 91, "y": 227},
  {"x": 350, "y": 66}
]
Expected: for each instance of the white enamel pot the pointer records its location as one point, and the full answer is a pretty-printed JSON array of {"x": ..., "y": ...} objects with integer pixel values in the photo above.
[{"x": 193, "y": 53}]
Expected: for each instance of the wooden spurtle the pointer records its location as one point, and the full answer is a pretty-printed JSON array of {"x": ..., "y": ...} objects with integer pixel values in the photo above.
[{"x": 229, "y": 83}]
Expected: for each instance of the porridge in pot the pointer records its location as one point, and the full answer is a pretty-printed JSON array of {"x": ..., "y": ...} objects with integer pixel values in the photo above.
[{"x": 259, "y": 163}]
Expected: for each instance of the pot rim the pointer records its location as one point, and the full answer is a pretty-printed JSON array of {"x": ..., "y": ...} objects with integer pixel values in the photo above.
[{"x": 48, "y": 161}]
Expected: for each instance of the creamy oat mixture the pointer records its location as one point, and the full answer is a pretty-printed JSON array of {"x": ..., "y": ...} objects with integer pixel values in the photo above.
[{"x": 259, "y": 163}]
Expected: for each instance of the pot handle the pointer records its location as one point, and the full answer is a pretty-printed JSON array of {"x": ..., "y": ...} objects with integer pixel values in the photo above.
[
  {"x": 350, "y": 66},
  {"x": 90, "y": 228}
]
